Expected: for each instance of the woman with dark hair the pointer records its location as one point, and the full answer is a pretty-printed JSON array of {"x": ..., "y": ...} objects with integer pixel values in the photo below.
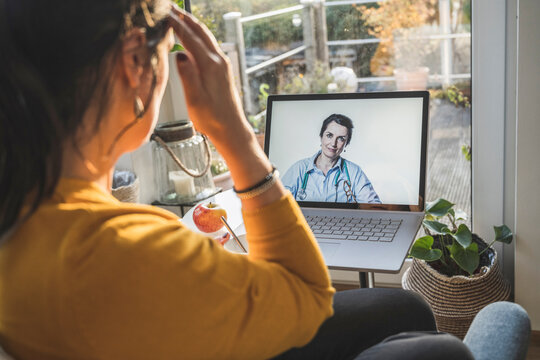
[
  {"x": 326, "y": 176},
  {"x": 83, "y": 276}
]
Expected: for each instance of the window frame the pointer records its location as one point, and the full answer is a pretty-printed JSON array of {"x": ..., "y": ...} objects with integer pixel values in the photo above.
[
  {"x": 494, "y": 121},
  {"x": 493, "y": 125}
]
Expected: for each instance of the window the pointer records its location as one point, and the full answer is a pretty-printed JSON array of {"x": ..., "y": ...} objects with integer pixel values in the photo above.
[{"x": 288, "y": 46}]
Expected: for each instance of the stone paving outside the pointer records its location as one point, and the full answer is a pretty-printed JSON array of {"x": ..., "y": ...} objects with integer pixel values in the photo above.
[{"x": 448, "y": 172}]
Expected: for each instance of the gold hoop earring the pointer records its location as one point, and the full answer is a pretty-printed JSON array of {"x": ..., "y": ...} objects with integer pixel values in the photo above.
[{"x": 138, "y": 107}]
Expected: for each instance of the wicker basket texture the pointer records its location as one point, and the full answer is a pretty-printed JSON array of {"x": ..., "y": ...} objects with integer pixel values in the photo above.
[
  {"x": 456, "y": 300},
  {"x": 128, "y": 193}
]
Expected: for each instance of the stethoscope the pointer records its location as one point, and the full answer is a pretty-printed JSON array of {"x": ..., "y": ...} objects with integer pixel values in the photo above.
[{"x": 301, "y": 193}]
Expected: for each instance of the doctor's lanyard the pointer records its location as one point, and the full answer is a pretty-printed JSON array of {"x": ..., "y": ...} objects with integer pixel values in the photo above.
[{"x": 301, "y": 194}]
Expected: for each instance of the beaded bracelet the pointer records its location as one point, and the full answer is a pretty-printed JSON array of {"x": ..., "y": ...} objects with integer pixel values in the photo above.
[{"x": 259, "y": 188}]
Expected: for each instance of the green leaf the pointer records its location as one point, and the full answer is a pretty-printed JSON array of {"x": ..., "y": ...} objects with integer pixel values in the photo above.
[
  {"x": 503, "y": 234},
  {"x": 463, "y": 236},
  {"x": 422, "y": 250},
  {"x": 436, "y": 227},
  {"x": 466, "y": 258},
  {"x": 176, "y": 48},
  {"x": 466, "y": 151},
  {"x": 263, "y": 90},
  {"x": 439, "y": 207}
]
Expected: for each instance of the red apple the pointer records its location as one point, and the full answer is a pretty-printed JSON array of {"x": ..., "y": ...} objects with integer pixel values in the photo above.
[{"x": 207, "y": 217}]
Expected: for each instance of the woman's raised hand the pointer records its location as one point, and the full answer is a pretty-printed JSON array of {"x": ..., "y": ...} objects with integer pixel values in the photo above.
[
  {"x": 212, "y": 100},
  {"x": 215, "y": 107}
]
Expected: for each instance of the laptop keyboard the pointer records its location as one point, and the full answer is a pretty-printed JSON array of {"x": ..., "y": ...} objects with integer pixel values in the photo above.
[{"x": 359, "y": 229}]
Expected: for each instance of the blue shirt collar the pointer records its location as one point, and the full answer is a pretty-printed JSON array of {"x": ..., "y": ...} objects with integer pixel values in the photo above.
[{"x": 311, "y": 165}]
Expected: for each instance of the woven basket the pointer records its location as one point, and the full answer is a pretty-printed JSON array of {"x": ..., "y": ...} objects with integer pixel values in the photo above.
[
  {"x": 456, "y": 300},
  {"x": 128, "y": 193}
]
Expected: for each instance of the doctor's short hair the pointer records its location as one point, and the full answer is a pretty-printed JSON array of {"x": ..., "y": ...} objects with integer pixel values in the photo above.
[{"x": 341, "y": 120}]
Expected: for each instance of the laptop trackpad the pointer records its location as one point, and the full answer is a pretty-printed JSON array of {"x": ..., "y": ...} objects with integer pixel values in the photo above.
[{"x": 328, "y": 249}]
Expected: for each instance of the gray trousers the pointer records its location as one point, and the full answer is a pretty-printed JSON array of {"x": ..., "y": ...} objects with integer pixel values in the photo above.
[{"x": 398, "y": 324}]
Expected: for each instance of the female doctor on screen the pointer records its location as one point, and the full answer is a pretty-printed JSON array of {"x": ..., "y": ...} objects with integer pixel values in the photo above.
[{"x": 326, "y": 176}]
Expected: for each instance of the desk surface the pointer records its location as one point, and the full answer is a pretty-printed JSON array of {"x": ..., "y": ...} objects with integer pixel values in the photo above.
[{"x": 232, "y": 204}]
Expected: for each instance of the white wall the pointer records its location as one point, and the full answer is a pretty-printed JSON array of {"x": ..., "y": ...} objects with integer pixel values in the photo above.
[
  {"x": 527, "y": 181},
  {"x": 488, "y": 117}
]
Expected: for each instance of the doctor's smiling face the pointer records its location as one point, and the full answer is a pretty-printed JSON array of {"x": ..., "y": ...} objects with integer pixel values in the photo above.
[{"x": 334, "y": 139}]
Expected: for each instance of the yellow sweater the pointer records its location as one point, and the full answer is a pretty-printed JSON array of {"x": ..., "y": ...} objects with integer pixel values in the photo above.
[{"x": 88, "y": 277}]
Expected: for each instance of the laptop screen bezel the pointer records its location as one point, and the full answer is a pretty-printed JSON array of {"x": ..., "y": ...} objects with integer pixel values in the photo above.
[{"x": 424, "y": 95}]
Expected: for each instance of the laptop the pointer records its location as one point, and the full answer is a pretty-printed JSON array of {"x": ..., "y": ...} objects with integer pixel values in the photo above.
[{"x": 356, "y": 165}]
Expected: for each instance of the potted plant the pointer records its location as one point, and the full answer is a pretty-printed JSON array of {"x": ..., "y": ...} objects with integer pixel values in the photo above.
[
  {"x": 220, "y": 172},
  {"x": 411, "y": 52},
  {"x": 319, "y": 81},
  {"x": 455, "y": 270}
]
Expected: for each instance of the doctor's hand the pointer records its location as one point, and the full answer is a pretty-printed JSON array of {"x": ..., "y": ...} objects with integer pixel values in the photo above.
[{"x": 213, "y": 103}]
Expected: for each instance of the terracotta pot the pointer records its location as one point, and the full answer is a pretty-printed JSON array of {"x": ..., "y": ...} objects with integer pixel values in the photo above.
[
  {"x": 456, "y": 300},
  {"x": 415, "y": 79}
]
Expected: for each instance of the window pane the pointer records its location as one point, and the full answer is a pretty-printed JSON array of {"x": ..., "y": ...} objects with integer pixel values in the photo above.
[{"x": 285, "y": 46}]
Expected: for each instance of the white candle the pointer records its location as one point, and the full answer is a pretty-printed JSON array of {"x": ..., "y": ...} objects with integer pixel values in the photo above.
[{"x": 183, "y": 183}]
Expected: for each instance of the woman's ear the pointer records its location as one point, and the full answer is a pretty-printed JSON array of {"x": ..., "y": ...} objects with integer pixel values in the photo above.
[{"x": 133, "y": 56}]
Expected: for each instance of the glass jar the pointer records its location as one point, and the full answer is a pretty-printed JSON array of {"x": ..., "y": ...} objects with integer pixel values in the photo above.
[{"x": 181, "y": 161}]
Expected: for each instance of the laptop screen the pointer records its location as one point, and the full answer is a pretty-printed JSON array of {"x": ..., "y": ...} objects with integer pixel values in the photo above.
[{"x": 361, "y": 150}]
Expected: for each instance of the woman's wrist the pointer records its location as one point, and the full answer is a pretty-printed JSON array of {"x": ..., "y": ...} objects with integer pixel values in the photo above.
[
  {"x": 245, "y": 159},
  {"x": 230, "y": 141},
  {"x": 247, "y": 162},
  {"x": 260, "y": 187},
  {"x": 248, "y": 166}
]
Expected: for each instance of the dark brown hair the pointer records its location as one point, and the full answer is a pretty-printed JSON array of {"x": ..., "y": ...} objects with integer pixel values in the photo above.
[
  {"x": 340, "y": 120},
  {"x": 56, "y": 59}
]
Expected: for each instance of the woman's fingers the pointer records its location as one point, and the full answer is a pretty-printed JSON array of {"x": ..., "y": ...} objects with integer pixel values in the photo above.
[
  {"x": 189, "y": 74},
  {"x": 205, "y": 71},
  {"x": 206, "y": 62},
  {"x": 195, "y": 37},
  {"x": 190, "y": 41},
  {"x": 199, "y": 29}
]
